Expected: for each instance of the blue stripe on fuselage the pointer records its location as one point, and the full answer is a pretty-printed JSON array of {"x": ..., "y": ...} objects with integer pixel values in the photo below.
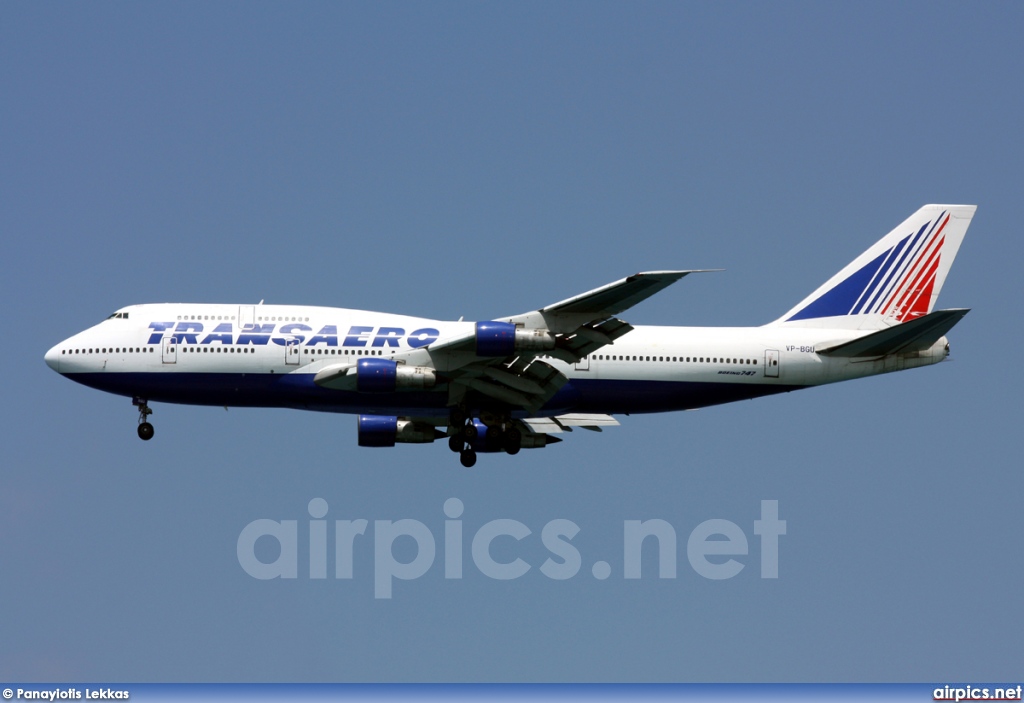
[{"x": 265, "y": 390}]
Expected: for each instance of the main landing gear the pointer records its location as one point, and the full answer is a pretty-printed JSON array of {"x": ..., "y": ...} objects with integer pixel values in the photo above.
[
  {"x": 464, "y": 434},
  {"x": 145, "y": 429}
]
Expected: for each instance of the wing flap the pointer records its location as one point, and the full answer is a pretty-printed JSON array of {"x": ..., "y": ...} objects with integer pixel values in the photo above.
[
  {"x": 589, "y": 338},
  {"x": 565, "y": 423},
  {"x": 526, "y": 382}
]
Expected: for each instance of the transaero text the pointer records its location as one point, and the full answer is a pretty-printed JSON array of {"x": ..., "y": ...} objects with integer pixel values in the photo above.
[{"x": 292, "y": 333}]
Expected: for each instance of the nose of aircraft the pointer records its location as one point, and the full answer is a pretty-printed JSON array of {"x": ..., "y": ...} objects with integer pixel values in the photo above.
[{"x": 53, "y": 359}]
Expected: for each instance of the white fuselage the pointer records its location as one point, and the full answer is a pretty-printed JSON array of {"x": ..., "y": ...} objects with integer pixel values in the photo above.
[{"x": 267, "y": 355}]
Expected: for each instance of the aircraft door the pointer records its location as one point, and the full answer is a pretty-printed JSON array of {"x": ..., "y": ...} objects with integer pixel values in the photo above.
[
  {"x": 170, "y": 350},
  {"x": 583, "y": 364},
  {"x": 291, "y": 352},
  {"x": 246, "y": 315},
  {"x": 771, "y": 363}
]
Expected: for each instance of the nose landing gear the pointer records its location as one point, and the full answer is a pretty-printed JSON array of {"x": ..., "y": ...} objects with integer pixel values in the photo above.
[{"x": 145, "y": 428}]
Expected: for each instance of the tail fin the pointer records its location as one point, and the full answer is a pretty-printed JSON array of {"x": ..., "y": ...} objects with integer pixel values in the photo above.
[{"x": 897, "y": 280}]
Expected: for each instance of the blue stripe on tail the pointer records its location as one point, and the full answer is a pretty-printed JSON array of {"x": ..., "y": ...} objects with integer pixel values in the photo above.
[{"x": 841, "y": 299}]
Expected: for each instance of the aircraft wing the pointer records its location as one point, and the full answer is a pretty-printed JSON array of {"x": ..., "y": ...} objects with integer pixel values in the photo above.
[
  {"x": 601, "y": 303},
  {"x": 524, "y": 379},
  {"x": 584, "y": 322},
  {"x": 580, "y": 325},
  {"x": 535, "y": 431}
]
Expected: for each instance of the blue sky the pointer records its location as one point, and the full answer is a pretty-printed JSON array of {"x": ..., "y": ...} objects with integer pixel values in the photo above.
[{"x": 481, "y": 160}]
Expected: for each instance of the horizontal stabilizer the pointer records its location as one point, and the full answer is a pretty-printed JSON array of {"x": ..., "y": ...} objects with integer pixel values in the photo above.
[{"x": 916, "y": 335}]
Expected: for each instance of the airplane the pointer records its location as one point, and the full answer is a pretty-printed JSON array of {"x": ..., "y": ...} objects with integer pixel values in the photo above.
[{"x": 515, "y": 382}]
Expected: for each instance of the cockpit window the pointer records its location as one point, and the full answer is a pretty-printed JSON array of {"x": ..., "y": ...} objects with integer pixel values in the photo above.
[{"x": 118, "y": 316}]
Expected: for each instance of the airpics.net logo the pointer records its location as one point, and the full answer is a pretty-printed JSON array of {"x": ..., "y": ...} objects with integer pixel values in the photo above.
[{"x": 712, "y": 547}]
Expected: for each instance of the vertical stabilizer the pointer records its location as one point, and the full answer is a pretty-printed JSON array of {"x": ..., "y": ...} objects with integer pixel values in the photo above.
[{"x": 896, "y": 280}]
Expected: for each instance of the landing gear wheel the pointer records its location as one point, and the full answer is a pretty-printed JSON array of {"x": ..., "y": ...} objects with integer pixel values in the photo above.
[
  {"x": 145, "y": 429},
  {"x": 455, "y": 443},
  {"x": 457, "y": 417},
  {"x": 469, "y": 431},
  {"x": 468, "y": 458},
  {"x": 512, "y": 440}
]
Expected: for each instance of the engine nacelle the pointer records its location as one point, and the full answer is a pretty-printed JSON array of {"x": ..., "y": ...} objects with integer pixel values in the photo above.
[
  {"x": 385, "y": 375},
  {"x": 489, "y": 439},
  {"x": 504, "y": 338},
  {"x": 386, "y": 430}
]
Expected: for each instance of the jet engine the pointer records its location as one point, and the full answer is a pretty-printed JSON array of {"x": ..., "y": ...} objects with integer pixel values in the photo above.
[
  {"x": 386, "y": 430},
  {"x": 504, "y": 338},
  {"x": 384, "y": 375}
]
